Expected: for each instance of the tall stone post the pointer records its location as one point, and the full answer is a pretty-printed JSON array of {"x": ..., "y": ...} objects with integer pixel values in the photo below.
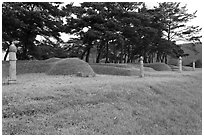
[
  {"x": 141, "y": 67},
  {"x": 180, "y": 64},
  {"x": 12, "y": 63},
  {"x": 193, "y": 65}
]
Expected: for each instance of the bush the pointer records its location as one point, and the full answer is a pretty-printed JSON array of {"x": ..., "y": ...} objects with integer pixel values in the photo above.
[
  {"x": 71, "y": 66},
  {"x": 158, "y": 66}
]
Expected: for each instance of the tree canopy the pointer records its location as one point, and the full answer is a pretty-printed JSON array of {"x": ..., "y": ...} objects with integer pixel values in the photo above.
[{"x": 119, "y": 31}]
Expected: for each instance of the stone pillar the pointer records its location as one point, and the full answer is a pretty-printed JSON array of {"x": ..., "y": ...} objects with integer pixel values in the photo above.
[
  {"x": 141, "y": 67},
  {"x": 193, "y": 65},
  {"x": 180, "y": 64},
  {"x": 12, "y": 63}
]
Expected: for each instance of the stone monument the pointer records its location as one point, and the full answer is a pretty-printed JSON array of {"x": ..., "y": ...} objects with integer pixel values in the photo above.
[
  {"x": 12, "y": 63},
  {"x": 141, "y": 67},
  {"x": 180, "y": 64},
  {"x": 193, "y": 65}
]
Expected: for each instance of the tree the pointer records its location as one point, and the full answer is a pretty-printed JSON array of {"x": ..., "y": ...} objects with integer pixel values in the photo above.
[
  {"x": 104, "y": 25},
  {"x": 124, "y": 31},
  {"x": 174, "y": 17},
  {"x": 24, "y": 21}
]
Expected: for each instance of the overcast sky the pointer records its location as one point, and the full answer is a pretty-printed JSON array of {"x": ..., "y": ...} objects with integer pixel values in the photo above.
[{"x": 192, "y": 6}]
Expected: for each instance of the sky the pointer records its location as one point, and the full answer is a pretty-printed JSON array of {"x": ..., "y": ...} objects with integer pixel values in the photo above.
[{"x": 192, "y": 6}]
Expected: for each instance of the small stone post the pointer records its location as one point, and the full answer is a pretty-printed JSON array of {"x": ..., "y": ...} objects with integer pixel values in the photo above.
[
  {"x": 193, "y": 65},
  {"x": 12, "y": 63},
  {"x": 141, "y": 67},
  {"x": 180, "y": 64}
]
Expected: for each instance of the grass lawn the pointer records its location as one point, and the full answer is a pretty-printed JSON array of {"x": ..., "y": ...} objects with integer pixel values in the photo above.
[{"x": 160, "y": 103}]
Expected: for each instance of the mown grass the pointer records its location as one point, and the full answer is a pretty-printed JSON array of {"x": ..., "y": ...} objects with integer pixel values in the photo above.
[{"x": 145, "y": 106}]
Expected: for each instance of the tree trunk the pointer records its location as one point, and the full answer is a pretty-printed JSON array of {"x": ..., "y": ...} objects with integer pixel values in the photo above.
[
  {"x": 115, "y": 56},
  {"x": 82, "y": 55},
  {"x": 98, "y": 57},
  {"x": 107, "y": 52},
  {"x": 158, "y": 57},
  {"x": 7, "y": 52},
  {"x": 166, "y": 59},
  {"x": 24, "y": 54},
  {"x": 99, "y": 53},
  {"x": 121, "y": 57},
  {"x": 128, "y": 54},
  {"x": 87, "y": 54}
]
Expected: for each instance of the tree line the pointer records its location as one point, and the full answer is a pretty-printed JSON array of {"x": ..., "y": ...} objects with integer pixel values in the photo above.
[{"x": 116, "y": 31}]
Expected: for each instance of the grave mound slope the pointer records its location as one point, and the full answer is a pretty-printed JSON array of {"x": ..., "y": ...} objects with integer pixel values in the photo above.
[
  {"x": 158, "y": 66},
  {"x": 71, "y": 66},
  {"x": 111, "y": 70},
  {"x": 118, "y": 69},
  {"x": 51, "y": 60}
]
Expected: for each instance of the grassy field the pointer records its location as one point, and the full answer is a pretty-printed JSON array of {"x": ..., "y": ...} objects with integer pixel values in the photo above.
[{"x": 160, "y": 103}]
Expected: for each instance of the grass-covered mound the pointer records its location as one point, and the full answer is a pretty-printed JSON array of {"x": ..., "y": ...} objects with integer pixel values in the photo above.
[
  {"x": 52, "y": 60},
  {"x": 198, "y": 64},
  {"x": 111, "y": 70},
  {"x": 32, "y": 66},
  {"x": 119, "y": 69},
  {"x": 114, "y": 65},
  {"x": 26, "y": 66},
  {"x": 71, "y": 66},
  {"x": 158, "y": 66},
  {"x": 184, "y": 68},
  {"x": 5, "y": 70}
]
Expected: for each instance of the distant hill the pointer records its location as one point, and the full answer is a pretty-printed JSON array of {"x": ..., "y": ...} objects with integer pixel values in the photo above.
[{"x": 194, "y": 51}]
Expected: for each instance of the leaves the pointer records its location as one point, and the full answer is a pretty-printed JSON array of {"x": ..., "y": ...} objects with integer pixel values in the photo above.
[
  {"x": 23, "y": 21},
  {"x": 120, "y": 31}
]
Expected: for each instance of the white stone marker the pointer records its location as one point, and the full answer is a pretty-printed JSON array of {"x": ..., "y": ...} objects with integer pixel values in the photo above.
[
  {"x": 12, "y": 63},
  {"x": 180, "y": 64},
  {"x": 193, "y": 65},
  {"x": 141, "y": 67}
]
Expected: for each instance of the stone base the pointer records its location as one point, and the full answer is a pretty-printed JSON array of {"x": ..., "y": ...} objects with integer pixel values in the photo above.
[{"x": 12, "y": 81}]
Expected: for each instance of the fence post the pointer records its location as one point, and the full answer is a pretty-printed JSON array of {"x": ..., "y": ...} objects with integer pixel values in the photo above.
[
  {"x": 141, "y": 67},
  {"x": 180, "y": 64},
  {"x": 12, "y": 63}
]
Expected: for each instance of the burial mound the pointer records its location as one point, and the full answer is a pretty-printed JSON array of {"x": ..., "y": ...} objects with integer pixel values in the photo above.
[
  {"x": 71, "y": 66},
  {"x": 51, "y": 60},
  {"x": 158, "y": 66}
]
